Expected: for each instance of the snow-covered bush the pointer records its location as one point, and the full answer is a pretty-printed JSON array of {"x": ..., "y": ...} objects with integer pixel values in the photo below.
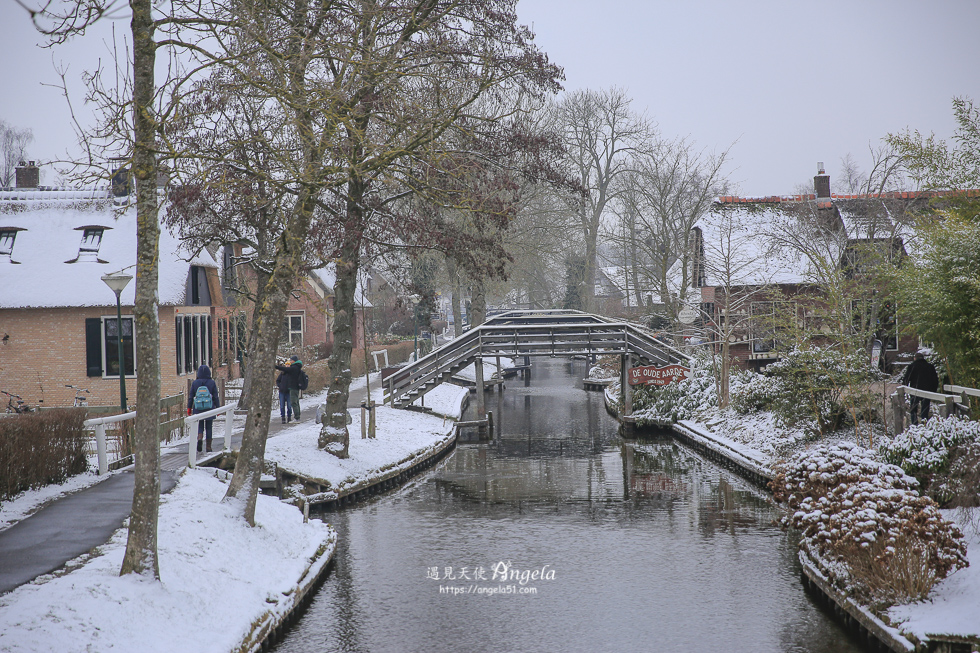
[
  {"x": 607, "y": 367},
  {"x": 676, "y": 401},
  {"x": 752, "y": 393},
  {"x": 942, "y": 455},
  {"x": 823, "y": 385},
  {"x": 867, "y": 523}
]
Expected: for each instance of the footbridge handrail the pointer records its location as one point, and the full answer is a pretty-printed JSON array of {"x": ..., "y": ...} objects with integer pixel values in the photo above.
[{"x": 529, "y": 333}]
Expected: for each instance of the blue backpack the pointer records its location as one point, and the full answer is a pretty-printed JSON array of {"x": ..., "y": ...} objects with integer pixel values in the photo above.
[{"x": 202, "y": 399}]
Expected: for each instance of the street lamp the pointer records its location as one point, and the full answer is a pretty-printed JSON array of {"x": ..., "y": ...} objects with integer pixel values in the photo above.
[{"x": 116, "y": 282}]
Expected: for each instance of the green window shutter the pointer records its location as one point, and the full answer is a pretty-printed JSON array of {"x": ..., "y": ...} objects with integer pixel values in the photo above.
[{"x": 93, "y": 346}]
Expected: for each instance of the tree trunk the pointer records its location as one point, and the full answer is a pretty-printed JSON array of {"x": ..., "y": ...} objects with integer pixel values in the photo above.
[
  {"x": 726, "y": 370},
  {"x": 334, "y": 436},
  {"x": 456, "y": 296},
  {"x": 478, "y": 304},
  {"x": 587, "y": 292},
  {"x": 141, "y": 545},
  {"x": 244, "y": 485},
  {"x": 245, "y": 401}
]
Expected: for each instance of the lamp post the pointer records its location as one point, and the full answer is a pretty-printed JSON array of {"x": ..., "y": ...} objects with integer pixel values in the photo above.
[{"x": 116, "y": 282}]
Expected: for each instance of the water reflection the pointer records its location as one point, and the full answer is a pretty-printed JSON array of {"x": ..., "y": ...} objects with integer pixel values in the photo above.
[{"x": 652, "y": 547}]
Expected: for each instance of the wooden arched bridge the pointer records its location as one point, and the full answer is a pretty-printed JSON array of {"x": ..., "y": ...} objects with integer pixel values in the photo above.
[{"x": 530, "y": 333}]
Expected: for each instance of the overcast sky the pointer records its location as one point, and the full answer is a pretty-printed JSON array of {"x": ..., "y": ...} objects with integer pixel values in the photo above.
[{"x": 785, "y": 83}]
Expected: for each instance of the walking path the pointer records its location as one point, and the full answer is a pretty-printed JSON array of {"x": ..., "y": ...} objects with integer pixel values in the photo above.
[{"x": 75, "y": 524}]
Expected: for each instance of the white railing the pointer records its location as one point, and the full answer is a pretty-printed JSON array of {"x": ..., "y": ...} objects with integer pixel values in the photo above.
[
  {"x": 227, "y": 410},
  {"x": 98, "y": 423}
]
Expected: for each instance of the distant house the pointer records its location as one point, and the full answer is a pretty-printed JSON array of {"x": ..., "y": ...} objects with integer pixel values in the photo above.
[
  {"x": 58, "y": 324},
  {"x": 768, "y": 281}
]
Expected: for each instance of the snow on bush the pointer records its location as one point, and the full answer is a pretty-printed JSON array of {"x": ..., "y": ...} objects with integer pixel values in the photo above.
[
  {"x": 676, "y": 401},
  {"x": 822, "y": 386},
  {"x": 753, "y": 393},
  {"x": 607, "y": 367},
  {"x": 865, "y": 520},
  {"x": 940, "y": 454}
]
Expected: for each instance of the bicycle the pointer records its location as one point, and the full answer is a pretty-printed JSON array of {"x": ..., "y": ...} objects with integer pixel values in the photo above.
[
  {"x": 21, "y": 405},
  {"x": 80, "y": 399}
]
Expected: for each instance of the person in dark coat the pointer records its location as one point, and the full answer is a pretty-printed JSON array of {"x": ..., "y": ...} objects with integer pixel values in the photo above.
[
  {"x": 205, "y": 425},
  {"x": 921, "y": 375},
  {"x": 290, "y": 379},
  {"x": 285, "y": 407}
]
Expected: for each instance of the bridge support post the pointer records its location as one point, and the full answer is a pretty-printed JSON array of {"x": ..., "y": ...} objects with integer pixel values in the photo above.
[
  {"x": 481, "y": 400},
  {"x": 627, "y": 388}
]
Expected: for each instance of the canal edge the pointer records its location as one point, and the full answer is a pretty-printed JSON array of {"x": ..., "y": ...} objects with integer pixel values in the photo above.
[
  {"x": 400, "y": 473},
  {"x": 872, "y": 629},
  {"x": 271, "y": 625}
]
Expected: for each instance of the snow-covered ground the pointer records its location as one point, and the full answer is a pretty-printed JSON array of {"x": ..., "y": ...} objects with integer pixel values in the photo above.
[
  {"x": 218, "y": 576},
  {"x": 953, "y": 606},
  {"x": 401, "y": 436},
  {"x": 489, "y": 369}
]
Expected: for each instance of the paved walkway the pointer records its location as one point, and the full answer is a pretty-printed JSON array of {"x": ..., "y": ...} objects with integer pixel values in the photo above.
[
  {"x": 77, "y": 523},
  {"x": 67, "y": 528}
]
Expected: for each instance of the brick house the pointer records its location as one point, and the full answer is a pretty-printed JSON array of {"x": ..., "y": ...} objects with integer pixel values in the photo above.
[
  {"x": 775, "y": 284},
  {"x": 58, "y": 320}
]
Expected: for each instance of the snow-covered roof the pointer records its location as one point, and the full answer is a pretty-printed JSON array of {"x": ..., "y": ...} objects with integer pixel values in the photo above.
[
  {"x": 327, "y": 276},
  {"x": 55, "y": 262},
  {"x": 741, "y": 235}
]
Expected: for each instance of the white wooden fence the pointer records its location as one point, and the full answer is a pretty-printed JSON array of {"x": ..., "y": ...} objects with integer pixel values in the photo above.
[{"x": 98, "y": 424}]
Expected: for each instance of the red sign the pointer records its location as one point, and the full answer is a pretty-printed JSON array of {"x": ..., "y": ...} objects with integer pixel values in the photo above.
[{"x": 651, "y": 375}]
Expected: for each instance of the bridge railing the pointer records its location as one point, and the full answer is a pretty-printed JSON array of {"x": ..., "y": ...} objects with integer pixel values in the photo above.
[
  {"x": 533, "y": 333},
  {"x": 228, "y": 410}
]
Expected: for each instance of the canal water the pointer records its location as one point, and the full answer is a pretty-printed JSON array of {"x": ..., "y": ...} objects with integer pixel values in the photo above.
[{"x": 561, "y": 536}]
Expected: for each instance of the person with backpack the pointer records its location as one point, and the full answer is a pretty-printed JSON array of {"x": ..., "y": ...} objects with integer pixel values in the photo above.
[
  {"x": 921, "y": 375},
  {"x": 285, "y": 407},
  {"x": 294, "y": 379},
  {"x": 203, "y": 397}
]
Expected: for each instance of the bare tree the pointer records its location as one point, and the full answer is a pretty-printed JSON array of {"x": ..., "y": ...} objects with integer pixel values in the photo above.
[
  {"x": 13, "y": 150},
  {"x": 601, "y": 132},
  {"x": 669, "y": 189},
  {"x": 736, "y": 263}
]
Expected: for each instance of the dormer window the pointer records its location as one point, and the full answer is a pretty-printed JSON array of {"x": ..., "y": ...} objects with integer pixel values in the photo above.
[
  {"x": 7, "y": 237},
  {"x": 91, "y": 239},
  {"x": 88, "y": 249}
]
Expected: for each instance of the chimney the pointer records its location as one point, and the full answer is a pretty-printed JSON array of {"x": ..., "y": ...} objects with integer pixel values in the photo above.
[
  {"x": 27, "y": 174},
  {"x": 821, "y": 183},
  {"x": 120, "y": 180}
]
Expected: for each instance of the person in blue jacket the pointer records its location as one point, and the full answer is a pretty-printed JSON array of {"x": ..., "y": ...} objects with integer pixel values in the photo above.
[{"x": 197, "y": 403}]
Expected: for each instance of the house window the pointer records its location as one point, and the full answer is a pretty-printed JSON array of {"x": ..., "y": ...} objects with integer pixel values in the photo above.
[
  {"x": 110, "y": 348},
  {"x": 7, "y": 237},
  {"x": 763, "y": 327},
  {"x": 102, "y": 346},
  {"x": 229, "y": 349},
  {"x": 292, "y": 331},
  {"x": 197, "y": 287},
  {"x": 91, "y": 239},
  {"x": 885, "y": 327},
  {"x": 193, "y": 342}
]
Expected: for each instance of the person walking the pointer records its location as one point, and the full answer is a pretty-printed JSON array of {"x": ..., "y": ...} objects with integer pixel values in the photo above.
[
  {"x": 921, "y": 375},
  {"x": 285, "y": 407},
  {"x": 291, "y": 381},
  {"x": 203, "y": 397}
]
